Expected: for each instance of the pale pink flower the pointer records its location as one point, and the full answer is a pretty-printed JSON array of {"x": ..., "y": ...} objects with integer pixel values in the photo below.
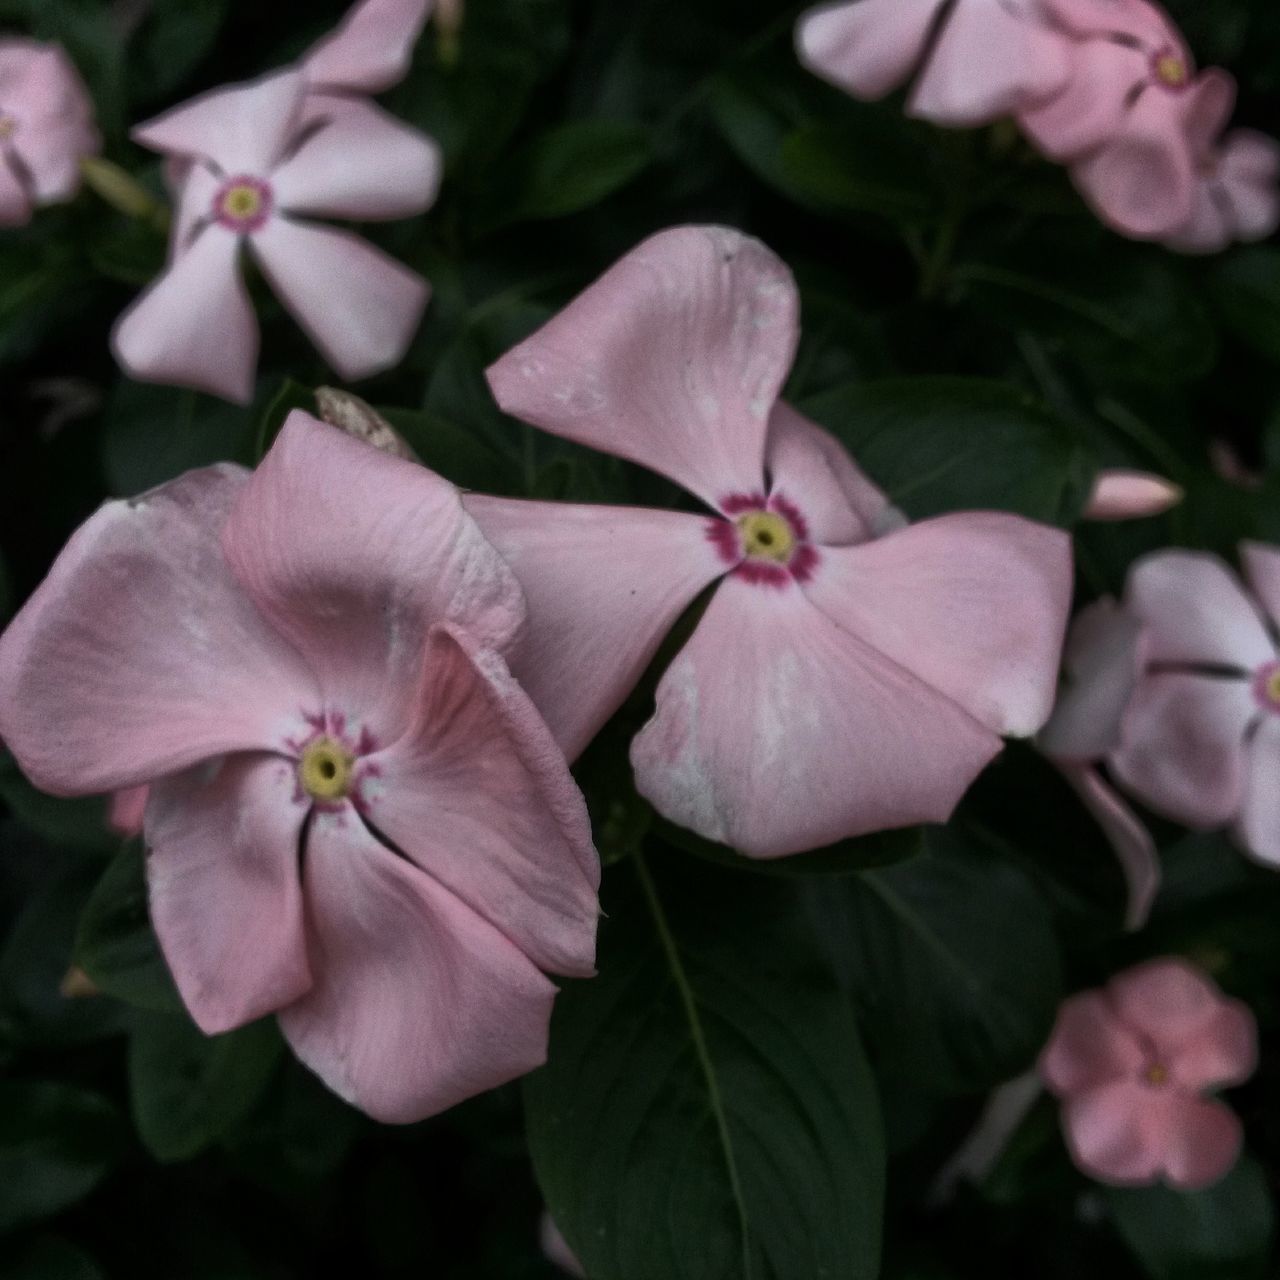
[
  {"x": 838, "y": 682},
  {"x": 1128, "y": 118},
  {"x": 356, "y": 817},
  {"x": 1130, "y": 495},
  {"x": 46, "y": 128},
  {"x": 556, "y": 1249},
  {"x": 977, "y": 61},
  {"x": 1237, "y": 194},
  {"x": 371, "y": 49},
  {"x": 1132, "y": 1064},
  {"x": 255, "y": 162}
]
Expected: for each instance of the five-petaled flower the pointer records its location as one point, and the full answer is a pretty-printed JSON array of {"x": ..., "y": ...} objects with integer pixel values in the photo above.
[
  {"x": 1132, "y": 1064},
  {"x": 839, "y": 682},
  {"x": 356, "y": 817},
  {"x": 46, "y": 128}
]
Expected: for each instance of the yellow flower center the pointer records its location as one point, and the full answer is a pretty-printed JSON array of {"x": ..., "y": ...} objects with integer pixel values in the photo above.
[
  {"x": 1172, "y": 70},
  {"x": 325, "y": 770},
  {"x": 766, "y": 536},
  {"x": 1157, "y": 1074},
  {"x": 242, "y": 202},
  {"x": 1272, "y": 686}
]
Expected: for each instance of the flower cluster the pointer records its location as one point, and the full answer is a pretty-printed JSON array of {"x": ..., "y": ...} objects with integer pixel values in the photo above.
[{"x": 1106, "y": 87}]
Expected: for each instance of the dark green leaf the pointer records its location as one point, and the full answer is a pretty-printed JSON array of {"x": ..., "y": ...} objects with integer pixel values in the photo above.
[
  {"x": 456, "y": 453},
  {"x": 49, "y": 1258},
  {"x": 173, "y": 38},
  {"x": 65, "y": 824},
  {"x": 1246, "y": 290}
]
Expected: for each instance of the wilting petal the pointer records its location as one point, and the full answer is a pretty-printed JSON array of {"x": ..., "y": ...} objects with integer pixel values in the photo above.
[
  {"x": 194, "y": 327},
  {"x": 673, "y": 358},
  {"x": 868, "y": 47},
  {"x": 372, "y": 48},
  {"x": 1195, "y": 611},
  {"x": 1168, "y": 1001},
  {"x": 479, "y": 796},
  {"x": 139, "y": 654},
  {"x": 417, "y": 1002},
  {"x": 1130, "y": 495},
  {"x": 1182, "y": 749},
  {"x": 1089, "y": 1047},
  {"x": 15, "y": 199},
  {"x": 126, "y": 810},
  {"x": 776, "y": 732},
  {"x": 990, "y": 60},
  {"x": 1258, "y": 826},
  {"x": 359, "y": 163},
  {"x": 630, "y": 572},
  {"x": 1205, "y": 1141},
  {"x": 1120, "y": 1133},
  {"x": 1103, "y": 659},
  {"x": 973, "y": 604},
  {"x": 811, "y": 467},
  {"x": 243, "y": 129},
  {"x": 353, "y": 554},
  {"x": 222, "y": 871},
  {"x": 359, "y": 306}
]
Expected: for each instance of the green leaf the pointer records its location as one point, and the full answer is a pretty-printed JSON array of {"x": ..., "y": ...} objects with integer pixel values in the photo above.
[
  {"x": 456, "y": 453},
  {"x": 63, "y": 823},
  {"x": 172, "y": 39},
  {"x": 1245, "y": 286},
  {"x": 953, "y": 959},
  {"x": 707, "y": 1111},
  {"x": 291, "y": 395},
  {"x": 952, "y": 444},
  {"x": 49, "y": 1258},
  {"x": 1222, "y": 1233},
  {"x": 187, "y": 1089},
  {"x": 57, "y": 1142},
  {"x": 115, "y": 944}
]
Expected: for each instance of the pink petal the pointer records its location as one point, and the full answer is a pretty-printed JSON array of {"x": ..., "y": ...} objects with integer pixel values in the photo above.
[
  {"x": 673, "y": 358},
  {"x": 974, "y": 604},
  {"x": 1120, "y": 1133},
  {"x": 194, "y": 327},
  {"x": 1258, "y": 825},
  {"x": 1137, "y": 19},
  {"x": 1224, "y": 1052},
  {"x": 556, "y": 1249},
  {"x": 1089, "y": 1047},
  {"x": 776, "y": 732},
  {"x": 990, "y": 61},
  {"x": 1131, "y": 495},
  {"x": 1205, "y": 1142},
  {"x": 417, "y": 1003},
  {"x": 15, "y": 200},
  {"x": 372, "y": 48},
  {"x": 1250, "y": 172},
  {"x": 359, "y": 163},
  {"x": 1134, "y": 848},
  {"x": 868, "y": 47},
  {"x": 127, "y": 809},
  {"x": 359, "y": 306},
  {"x": 139, "y": 654},
  {"x": 1195, "y": 611},
  {"x": 809, "y": 465},
  {"x": 479, "y": 796},
  {"x": 353, "y": 555},
  {"x": 1168, "y": 1001},
  {"x": 1182, "y": 749},
  {"x": 1210, "y": 227},
  {"x": 631, "y": 572},
  {"x": 222, "y": 870},
  {"x": 243, "y": 129},
  {"x": 1261, "y": 565},
  {"x": 194, "y": 187},
  {"x": 1103, "y": 660}
]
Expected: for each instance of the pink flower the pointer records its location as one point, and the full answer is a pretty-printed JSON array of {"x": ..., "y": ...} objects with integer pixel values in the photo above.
[
  {"x": 1130, "y": 495},
  {"x": 1237, "y": 194},
  {"x": 46, "y": 128},
  {"x": 356, "y": 818},
  {"x": 1127, "y": 119},
  {"x": 981, "y": 60},
  {"x": 838, "y": 682},
  {"x": 1132, "y": 1064},
  {"x": 254, "y": 162}
]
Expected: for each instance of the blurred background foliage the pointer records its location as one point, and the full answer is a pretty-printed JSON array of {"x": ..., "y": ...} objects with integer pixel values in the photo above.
[{"x": 978, "y": 340}]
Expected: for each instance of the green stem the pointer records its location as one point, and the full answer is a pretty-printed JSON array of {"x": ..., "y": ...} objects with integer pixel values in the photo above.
[{"x": 123, "y": 192}]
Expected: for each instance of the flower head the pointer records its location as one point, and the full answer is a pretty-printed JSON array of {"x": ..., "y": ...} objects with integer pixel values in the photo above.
[
  {"x": 46, "y": 128},
  {"x": 355, "y": 817},
  {"x": 1132, "y": 1064},
  {"x": 977, "y": 60},
  {"x": 838, "y": 682}
]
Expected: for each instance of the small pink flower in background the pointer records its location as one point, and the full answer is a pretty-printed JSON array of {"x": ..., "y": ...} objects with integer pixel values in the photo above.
[
  {"x": 1132, "y": 1064},
  {"x": 46, "y": 128},
  {"x": 356, "y": 818},
  {"x": 839, "y": 682},
  {"x": 1130, "y": 495},
  {"x": 1128, "y": 118},
  {"x": 981, "y": 60},
  {"x": 556, "y": 1250},
  {"x": 1237, "y": 194}
]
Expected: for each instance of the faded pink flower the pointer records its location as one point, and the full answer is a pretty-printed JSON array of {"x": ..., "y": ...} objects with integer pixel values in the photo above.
[
  {"x": 1129, "y": 116},
  {"x": 1130, "y": 495},
  {"x": 46, "y": 128},
  {"x": 1132, "y": 1064},
  {"x": 356, "y": 817},
  {"x": 254, "y": 163},
  {"x": 1237, "y": 194},
  {"x": 977, "y": 60},
  {"x": 839, "y": 682}
]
